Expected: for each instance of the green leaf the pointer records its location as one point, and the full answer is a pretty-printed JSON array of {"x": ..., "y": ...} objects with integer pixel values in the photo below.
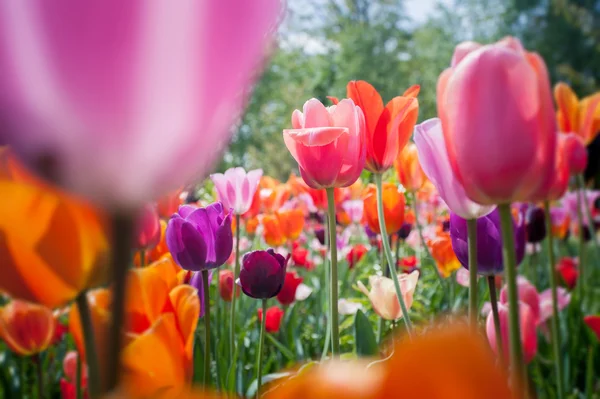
[{"x": 366, "y": 344}]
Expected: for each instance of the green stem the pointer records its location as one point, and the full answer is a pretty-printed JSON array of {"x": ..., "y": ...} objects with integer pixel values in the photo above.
[
  {"x": 122, "y": 233},
  {"x": 233, "y": 300},
  {"x": 510, "y": 269},
  {"x": 555, "y": 320},
  {"x": 206, "y": 288},
  {"x": 491, "y": 280},
  {"x": 326, "y": 278},
  {"x": 472, "y": 243},
  {"x": 388, "y": 252},
  {"x": 261, "y": 341},
  {"x": 40, "y": 376},
  {"x": 89, "y": 341},
  {"x": 582, "y": 258},
  {"x": 335, "y": 332},
  {"x": 424, "y": 245},
  {"x": 78, "y": 387},
  {"x": 588, "y": 215},
  {"x": 589, "y": 374}
]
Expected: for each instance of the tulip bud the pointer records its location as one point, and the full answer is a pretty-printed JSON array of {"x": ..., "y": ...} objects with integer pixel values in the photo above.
[
  {"x": 27, "y": 328},
  {"x": 320, "y": 234},
  {"x": 528, "y": 325},
  {"x": 262, "y": 274},
  {"x": 226, "y": 284},
  {"x": 287, "y": 295},
  {"x": 355, "y": 255},
  {"x": 593, "y": 322},
  {"x": 383, "y": 294},
  {"x": 147, "y": 233},
  {"x": 274, "y": 317},
  {"x": 535, "y": 224},
  {"x": 567, "y": 269}
]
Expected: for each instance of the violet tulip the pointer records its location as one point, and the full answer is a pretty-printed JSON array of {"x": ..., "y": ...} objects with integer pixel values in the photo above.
[
  {"x": 489, "y": 242},
  {"x": 236, "y": 188},
  {"x": 262, "y": 274},
  {"x": 429, "y": 139},
  {"x": 490, "y": 96},
  {"x": 328, "y": 143},
  {"x": 200, "y": 238},
  {"x": 528, "y": 324},
  {"x": 124, "y": 101}
]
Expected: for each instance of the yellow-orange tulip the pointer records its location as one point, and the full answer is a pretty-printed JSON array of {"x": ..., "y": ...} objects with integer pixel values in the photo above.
[
  {"x": 291, "y": 222},
  {"x": 581, "y": 117},
  {"x": 272, "y": 232},
  {"x": 393, "y": 208},
  {"x": 27, "y": 328},
  {"x": 52, "y": 246},
  {"x": 408, "y": 168},
  {"x": 443, "y": 254}
]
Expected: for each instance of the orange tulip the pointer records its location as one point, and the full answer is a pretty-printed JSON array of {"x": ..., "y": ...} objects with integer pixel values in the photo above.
[
  {"x": 169, "y": 204},
  {"x": 161, "y": 317},
  {"x": 252, "y": 225},
  {"x": 393, "y": 208},
  {"x": 291, "y": 222},
  {"x": 27, "y": 328},
  {"x": 272, "y": 231},
  {"x": 52, "y": 246},
  {"x": 443, "y": 254},
  {"x": 408, "y": 168},
  {"x": 581, "y": 117}
]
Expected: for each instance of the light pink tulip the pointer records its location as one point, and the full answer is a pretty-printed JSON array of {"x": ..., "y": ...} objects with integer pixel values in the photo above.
[
  {"x": 527, "y": 327},
  {"x": 354, "y": 209},
  {"x": 328, "y": 143},
  {"x": 462, "y": 277},
  {"x": 383, "y": 294},
  {"x": 236, "y": 188},
  {"x": 527, "y": 293},
  {"x": 429, "y": 139},
  {"x": 496, "y": 108},
  {"x": 563, "y": 296},
  {"x": 124, "y": 101}
]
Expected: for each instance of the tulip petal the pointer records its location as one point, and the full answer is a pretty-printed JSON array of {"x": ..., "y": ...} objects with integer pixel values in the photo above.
[
  {"x": 368, "y": 99},
  {"x": 186, "y": 305},
  {"x": 315, "y": 114}
]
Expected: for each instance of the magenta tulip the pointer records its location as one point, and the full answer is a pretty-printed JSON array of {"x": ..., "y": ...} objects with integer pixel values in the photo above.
[
  {"x": 496, "y": 108},
  {"x": 236, "y": 188},
  {"x": 124, "y": 101}
]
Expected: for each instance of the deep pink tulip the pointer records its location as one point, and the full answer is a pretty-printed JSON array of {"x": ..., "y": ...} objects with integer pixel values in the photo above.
[
  {"x": 126, "y": 100},
  {"x": 147, "y": 228},
  {"x": 328, "y": 143},
  {"x": 497, "y": 113},
  {"x": 236, "y": 188},
  {"x": 528, "y": 330},
  {"x": 429, "y": 139},
  {"x": 577, "y": 153},
  {"x": 527, "y": 294}
]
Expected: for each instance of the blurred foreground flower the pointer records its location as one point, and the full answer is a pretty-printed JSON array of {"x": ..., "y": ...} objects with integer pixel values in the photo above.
[
  {"x": 383, "y": 294},
  {"x": 111, "y": 85},
  {"x": 27, "y": 328}
]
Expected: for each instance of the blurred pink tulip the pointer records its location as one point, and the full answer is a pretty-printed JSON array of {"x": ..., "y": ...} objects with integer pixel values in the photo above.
[
  {"x": 493, "y": 96},
  {"x": 563, "y": 296},
  {"x": 429, "y": 139},
  {"x": 527, "y": 327},
  {"x": 328, "y": 143},
  {"x": 577, "y": 153},
  {"x": 383, "y": 294},
  {"x": 527, "y": 294},
  {"x": 354, "y": 209},
  {"x": 236, "y": 188},
  {"x": 147, "y": 234},
  {"x": 462, "y": 277},
  {"x": 124, "y": 101}
]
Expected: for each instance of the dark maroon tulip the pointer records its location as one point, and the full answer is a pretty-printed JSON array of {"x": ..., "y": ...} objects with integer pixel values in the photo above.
[
  {"x": 262, "y": 274},
  {"x": 404, "y": 231},
  {"x": 535, "y": 223}
]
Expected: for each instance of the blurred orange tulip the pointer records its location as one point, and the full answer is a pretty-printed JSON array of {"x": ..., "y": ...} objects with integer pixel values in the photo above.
[
  {"x": 272, "y": 231},
  {"x": 393, "y": 208},
  {"x": 161, "y": 317},
  {"x": 408, "y": 168},
  {"x": 27, "y": 328},
  {"x": 252, "y": 225},
  {"x": 52, "y": 246},
  {"x": 291, "y": 222},
  {"x": 581, "y": 117},
  {"x": 443, "y": 254},
  {"x": 169, "y": 204}
]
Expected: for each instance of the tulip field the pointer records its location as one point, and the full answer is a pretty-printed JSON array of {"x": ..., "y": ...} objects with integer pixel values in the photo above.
[{"x": 456, "y": 256}]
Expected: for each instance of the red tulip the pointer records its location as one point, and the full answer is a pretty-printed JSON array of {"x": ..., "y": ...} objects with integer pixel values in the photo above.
[
  {"x": 567, "y": 268},
  {"x": 287, "y": 295},
  {"x": 226, "y": 285},
  {"x": 274, "y": 316},
  {"x": 355, "y": 255},
  {"x": 593, "y": 322},
  {"x": 27, "y": 328}
]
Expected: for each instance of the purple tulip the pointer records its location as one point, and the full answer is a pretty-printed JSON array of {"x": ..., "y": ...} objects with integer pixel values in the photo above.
[
  {"x": 198, "y": 284},
  {"x": 489, "y": 242},
  {"x": 262, "y": 274},
  {"x": 200, "y": 238}
]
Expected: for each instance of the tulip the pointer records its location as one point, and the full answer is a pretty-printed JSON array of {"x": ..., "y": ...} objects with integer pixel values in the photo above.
[
  {"x": 535, "y": 226},
  {"x": 355, "y": 254},
  {"x": 387, "y": 128},
  {"x": 444, "y": 255},
  {"x": 409, "y": 171},
  {"x": 272, "y": 231},
  {"x": 354, "y": 209},
  {"x": 490, "y": 96},
  {"x": 236, "y": 188},
  {"x": 200, "y": 239},
  {"x": 404, "y": 231},
  {"x": 287, "y": 295},
  {"x": 300, "y": 256},
  {"x": 262, "y": 274},
  {"x": 169, "y": 203},
  {"x": 147, "y": 233},
  {"x": 408, "y": 264},
  {"x": 560, "y": 222},
  {"x": 383, "y": 294},
  {"x": 196, "y": 282},
  {"x": 274, "y": 317},
  {"x": 158, "y": 71},
  {"x": 527, "y": 294},
  {"x": 528, "y": 323},
  {"x": 27, "y": 328},
  {"x": 291, "y": 222},
  {"x": 489, "y": 242},
  {"x": 347, "y": 307},
  {"x": 593, "y": 322},
  {"x": 567, "y": 269},
  {"x": 68, "y": 388},
  {"x": 545, "y": 299},
  {"x": 581, "y": 117},
  {"x": 433, "y": 156},
  {"x": 328, "y": 143},
  {"x": 161, "y": 248},
  {"x": 393, "y": 208},
  {"x": 226, "y": 284},
  {"x": 54, "y": 245}
]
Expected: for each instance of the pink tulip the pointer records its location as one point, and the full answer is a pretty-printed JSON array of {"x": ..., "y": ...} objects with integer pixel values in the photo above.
[
  {"x": 328, "y": 143},
  {"x": 383, "y": 294},
  {"x": 577, "y": 153},
  {"x": 563, "y": 296},
  {"x": 429, "y": 139},
  {"x": 497, "y": 113},
  {"x": 147, "y": 228},
  {"x": 236, "y": 188},
  {"x": 527, "y": 327},
  {"x": 462, "y": 277},
  {"x": 126, "y": 100},
  {"x": 527, "y": 293},
  {"x": 354, "y": 209}
]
